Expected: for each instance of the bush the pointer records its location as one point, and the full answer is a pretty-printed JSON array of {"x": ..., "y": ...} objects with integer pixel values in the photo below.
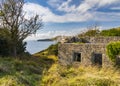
[
  {"x": 113, "y": 49},
  {"x": 6, "y": 45},
  {"x": 53, "y": 50}
]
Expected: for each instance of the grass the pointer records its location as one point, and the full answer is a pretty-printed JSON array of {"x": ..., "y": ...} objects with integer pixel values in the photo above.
[
  {"x": 15, "y": 72},
  {"x": 46, "y": 72},
  {"x": 26, "y": 71},
  {"x": 43, "y": 69},
  {"x": 51, "y": 52},
  {"x": 58, "y": 75}
]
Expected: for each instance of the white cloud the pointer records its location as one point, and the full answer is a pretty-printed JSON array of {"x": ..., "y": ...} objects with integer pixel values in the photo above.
[
  {"x": 47, "y": 15},
  {"x": 115, "y": 8},
  {"x": 107, "y": 2},
  {"x": 51, "y": 34},
  {"x": 84, "y": 6},
  {"x": 32, "y": 9},
  {"x": 110, "y": 16},
  {"x": 65, "y": 6},
  {"x": 54, "y": 3},
  {"x": 84, "y": 12}
]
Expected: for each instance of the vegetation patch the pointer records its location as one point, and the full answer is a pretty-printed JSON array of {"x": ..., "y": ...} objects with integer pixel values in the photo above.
[
  {"x": 113, "y": 50},
  {"x": 25, "y": 72},
  {"x": 58, "y": 75},
  {"x": 51, "y": 52},
  {"x": 96, "y": 32}
]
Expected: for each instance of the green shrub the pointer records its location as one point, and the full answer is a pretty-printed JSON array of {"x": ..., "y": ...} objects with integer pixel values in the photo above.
[
  {"x": 97, "y": 32},
  {"x": 91, "y": 32},
  {"x": 111, "y": 32},
  {"x": 113, "y": 49},
  {"x": 53, "y": 50}
]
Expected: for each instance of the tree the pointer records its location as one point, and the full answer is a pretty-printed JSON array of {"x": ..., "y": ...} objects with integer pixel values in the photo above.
[
  {"x": 12, "y": 18},
  {"x": 4, "y": 49}
]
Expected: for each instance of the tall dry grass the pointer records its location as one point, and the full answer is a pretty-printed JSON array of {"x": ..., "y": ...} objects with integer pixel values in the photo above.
[{"x": 59, "y": 75}]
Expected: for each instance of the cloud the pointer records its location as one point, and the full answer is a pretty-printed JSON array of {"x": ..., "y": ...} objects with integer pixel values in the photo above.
[
  {"x": 110, "y": 16},
  {"x": 84, "y": 6},
  {"x": 115, "y": 8},
  {"x": 51, "y": 34},
  {"x": 32, "y": 9},
  {"x": 85, "y": 11},
  {"x": 107, "y": 2},
  {"x": 48, "y": 16},
  {"x": 54, "y": 3},
  {"x": 65, "y": 6}
]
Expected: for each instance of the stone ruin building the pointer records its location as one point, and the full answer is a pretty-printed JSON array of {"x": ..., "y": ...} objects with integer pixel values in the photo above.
[{"x": 92, "y": 52}]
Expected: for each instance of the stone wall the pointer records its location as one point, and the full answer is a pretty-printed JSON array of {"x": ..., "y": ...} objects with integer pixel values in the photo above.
[
  {"x": 87, "y": 50},
  {"x": 102, "y": 39},
  {"x": 99, "y": 39},
  {"x": 67, "y": 50}
]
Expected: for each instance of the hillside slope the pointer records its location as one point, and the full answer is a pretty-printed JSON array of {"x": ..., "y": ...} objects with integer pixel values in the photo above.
[
  {"x": 58, "y": 75},
  {"x": 26, "y": 72},
  {"x": 43, "y": 69}
]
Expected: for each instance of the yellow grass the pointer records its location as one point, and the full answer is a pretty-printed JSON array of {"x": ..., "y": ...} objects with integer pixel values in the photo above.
[{"x": 83, "y": 76}]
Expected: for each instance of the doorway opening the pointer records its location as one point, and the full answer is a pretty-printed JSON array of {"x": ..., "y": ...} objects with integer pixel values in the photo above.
[
  {"x": 77, "y": 57},
  {"x": 97, "y": 59}
]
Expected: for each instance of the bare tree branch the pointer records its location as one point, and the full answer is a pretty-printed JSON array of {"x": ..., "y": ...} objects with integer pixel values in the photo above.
[{"x": 13, "y": 19}]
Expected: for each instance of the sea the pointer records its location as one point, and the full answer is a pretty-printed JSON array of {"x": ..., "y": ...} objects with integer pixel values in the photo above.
[{"x": 37, "y": 46}]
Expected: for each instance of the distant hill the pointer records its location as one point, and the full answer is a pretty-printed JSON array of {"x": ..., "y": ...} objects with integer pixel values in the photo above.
[{"x": 45, "y": 40}]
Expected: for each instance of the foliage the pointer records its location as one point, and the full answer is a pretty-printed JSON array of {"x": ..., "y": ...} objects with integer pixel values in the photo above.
[
  {"x": 42, "y": 71},
  {"x": 51, "y": 52},
  {"x": 97, "y": 32},
  {"x": 4, "y": 47},
  {"x": 111, "y": 32},
  {"x": 53, "y": 49},
  {"x": 113, "y": 49},
  {"x": 17, "y": 26},
  {"x": 91, "y": 32},
  {"x": 5, "y": 44}
]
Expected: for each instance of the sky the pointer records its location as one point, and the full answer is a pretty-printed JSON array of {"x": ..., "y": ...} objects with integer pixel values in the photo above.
[{"x": 70, "y": 17}]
